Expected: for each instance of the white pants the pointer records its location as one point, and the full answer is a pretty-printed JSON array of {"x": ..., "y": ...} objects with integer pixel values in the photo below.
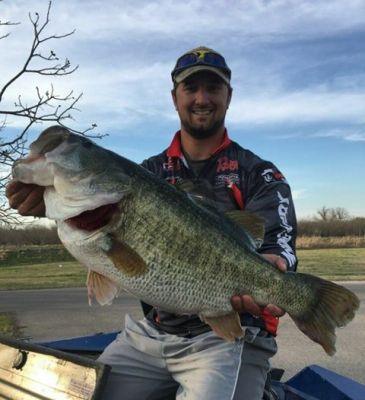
[{"x": 150, "y": 365}]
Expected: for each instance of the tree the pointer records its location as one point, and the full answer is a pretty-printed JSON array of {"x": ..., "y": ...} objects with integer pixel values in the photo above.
[
  {"x": 339, "y": 214},
  {"x": 333, "y": 214},
  {"x": 45, "y": 107},
  {"x": 324, "y": 213}
]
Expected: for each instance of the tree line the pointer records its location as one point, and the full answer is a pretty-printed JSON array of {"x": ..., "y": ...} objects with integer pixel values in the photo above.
[
  {"x": 40, "y": 235},
  {"x": 332, "y": 222},
  {"x": 332, "y": 228}
]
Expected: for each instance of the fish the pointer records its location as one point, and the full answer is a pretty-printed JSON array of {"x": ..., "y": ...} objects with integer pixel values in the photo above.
[{"x": 133, "y": 231}]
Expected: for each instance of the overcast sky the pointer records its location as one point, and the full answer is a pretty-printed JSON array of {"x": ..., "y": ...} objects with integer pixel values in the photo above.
[{"x": 298, "y": 79}]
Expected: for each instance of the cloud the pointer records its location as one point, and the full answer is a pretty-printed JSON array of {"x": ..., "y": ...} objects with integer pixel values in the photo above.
[
  {"x": 4, "y": 171},
  {"x": 194, "y": 17},
  {"x": 352, "y": 135},
  {"x": 298, "y": 193},
  {"x": 126, "y": 53},
  {"x": 176, "y": 18},
  {"x": 356, "y": 137},
  {"x": 306, "y": 106}
]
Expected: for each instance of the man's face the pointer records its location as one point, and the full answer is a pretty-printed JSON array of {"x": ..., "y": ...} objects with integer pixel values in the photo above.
[{"x": 201, "y": 101}]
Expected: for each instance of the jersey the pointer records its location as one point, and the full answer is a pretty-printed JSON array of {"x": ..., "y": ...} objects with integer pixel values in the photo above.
[{"x": 234, "y": 178}]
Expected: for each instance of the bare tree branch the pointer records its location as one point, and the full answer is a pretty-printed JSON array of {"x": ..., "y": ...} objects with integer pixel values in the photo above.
[
  {"x": 45, "y": 107},
  {"x": 6, "y": 23},
  {"x": 324, "y": 213},
  {"x": 56, "y": 69}
]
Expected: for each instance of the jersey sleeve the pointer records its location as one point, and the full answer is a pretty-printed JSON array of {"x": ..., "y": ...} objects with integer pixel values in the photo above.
[{"x": 269, "y": 195}]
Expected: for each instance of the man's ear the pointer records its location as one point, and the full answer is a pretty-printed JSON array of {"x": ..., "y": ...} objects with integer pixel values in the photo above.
[
  {"x": 173, "y": 95},
  {"x": 230, "y": 91}
]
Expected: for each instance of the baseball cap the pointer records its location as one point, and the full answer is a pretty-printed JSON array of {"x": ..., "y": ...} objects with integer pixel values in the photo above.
[{"x": 200, "y": 59}]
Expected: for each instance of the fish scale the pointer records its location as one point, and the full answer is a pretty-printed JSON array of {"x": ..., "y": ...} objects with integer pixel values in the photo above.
[
  {"x": 207, "y": 258},
  {"x": 171, "y": 249}
]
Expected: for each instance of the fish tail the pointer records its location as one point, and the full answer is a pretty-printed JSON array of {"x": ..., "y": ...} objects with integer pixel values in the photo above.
[{"x": 332, "y": 306}]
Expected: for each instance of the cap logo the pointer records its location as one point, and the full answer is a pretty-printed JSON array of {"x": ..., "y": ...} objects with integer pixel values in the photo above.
[{"x": 201, "y": 54}]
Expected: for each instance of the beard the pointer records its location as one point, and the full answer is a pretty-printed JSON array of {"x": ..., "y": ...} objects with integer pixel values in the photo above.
[{"x": 203, "y": 132}]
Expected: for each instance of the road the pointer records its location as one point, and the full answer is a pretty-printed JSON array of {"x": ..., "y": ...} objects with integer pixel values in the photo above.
[{"x": 59, "y": 313}]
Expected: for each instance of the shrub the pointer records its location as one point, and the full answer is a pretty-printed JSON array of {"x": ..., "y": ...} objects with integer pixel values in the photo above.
[
  {"x": 335, "y": 228},
  {"x": 30, "y": 235}
]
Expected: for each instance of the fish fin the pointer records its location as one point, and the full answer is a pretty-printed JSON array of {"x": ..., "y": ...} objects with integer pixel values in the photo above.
[
  {"x": 334, "y": 307},
  {"x": 204, "y": 202},
  {"x": 226, "y": 326},
  {"x": 186, "y": 185},
  {"x": 201, "y": 194},
  {"x": 103, "y": 289},
  {"x": 253, "y": 224},
  {"x": 125, "y": 258},
  {"x": 200, "y": 189}
]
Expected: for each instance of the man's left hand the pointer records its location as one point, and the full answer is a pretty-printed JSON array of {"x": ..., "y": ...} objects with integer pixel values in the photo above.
[{"x": 246, "y": 303}]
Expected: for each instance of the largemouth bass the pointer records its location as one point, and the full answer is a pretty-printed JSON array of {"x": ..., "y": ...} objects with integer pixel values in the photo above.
[{"x": 136, "y": 232}]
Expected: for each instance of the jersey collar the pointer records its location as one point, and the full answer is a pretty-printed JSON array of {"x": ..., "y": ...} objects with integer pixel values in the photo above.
[{"x": 175, "y": 148}]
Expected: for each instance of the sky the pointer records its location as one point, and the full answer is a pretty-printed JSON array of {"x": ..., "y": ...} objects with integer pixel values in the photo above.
[{"x": 298, "y": 77}]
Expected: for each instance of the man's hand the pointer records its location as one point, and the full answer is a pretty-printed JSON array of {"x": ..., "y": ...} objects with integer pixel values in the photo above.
[
  {"x": 246, "y": 303},
  {"x": 26, "y": 198}
]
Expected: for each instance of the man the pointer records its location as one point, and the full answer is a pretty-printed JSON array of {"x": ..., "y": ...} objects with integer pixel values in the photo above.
[{"x": 165, "y": 355}]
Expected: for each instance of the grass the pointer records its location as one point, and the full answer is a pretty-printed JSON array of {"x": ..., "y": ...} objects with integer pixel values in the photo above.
[
  {"x": 334, "y": 264},
  {"x": 8, "y": 325},
  {"x": 42, "y": 276},
  {"x": 331, "y": 242}
]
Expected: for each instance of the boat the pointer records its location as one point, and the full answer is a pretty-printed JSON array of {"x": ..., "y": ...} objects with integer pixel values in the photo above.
[{"x": 67, "y": 369}]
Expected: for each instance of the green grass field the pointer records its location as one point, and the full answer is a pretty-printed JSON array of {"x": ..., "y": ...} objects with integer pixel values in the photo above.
[
  {"x": 334, "y": 264},
  {"x": 8, "y": 325},
  {"x": 43, "y": 276}
]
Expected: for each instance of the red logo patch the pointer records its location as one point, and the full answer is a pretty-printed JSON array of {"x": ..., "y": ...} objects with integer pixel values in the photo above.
[{"x": 225, "y": 164}]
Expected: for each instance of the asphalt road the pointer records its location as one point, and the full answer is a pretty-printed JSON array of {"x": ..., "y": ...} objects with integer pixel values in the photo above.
[{"x": 60, "y": 313}]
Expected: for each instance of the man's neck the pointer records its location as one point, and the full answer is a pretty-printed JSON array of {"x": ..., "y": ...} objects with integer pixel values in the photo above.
[{"x": 200, "y": 149}]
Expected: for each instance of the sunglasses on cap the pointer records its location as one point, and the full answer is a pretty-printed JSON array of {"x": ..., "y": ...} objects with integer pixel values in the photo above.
[{"x": 201, "y": 57}]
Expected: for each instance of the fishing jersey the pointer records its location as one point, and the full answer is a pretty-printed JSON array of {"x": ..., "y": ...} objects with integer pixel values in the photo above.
[{"x": 234, "y": 178}]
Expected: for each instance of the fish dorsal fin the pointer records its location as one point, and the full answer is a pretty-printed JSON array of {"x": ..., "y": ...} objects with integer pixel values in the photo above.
[
  {"x": 200, "y": 194},
  {"x": 253, "y": 224},
  {"x": 226, "y": 326},
  {"x": 203, "y": 195},
  {"x": 186, "y": 185},
  {"x": 207, "y": 204},
  {"x": 103, "y": 289},
  {"x": 125, "y": 258}
]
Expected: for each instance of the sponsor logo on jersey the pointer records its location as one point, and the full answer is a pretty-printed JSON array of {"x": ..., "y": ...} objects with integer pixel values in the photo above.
[
  {"x": 284, "y": 237},
  {"x": 271, "y": 175},
  {"x": 172, "y": 164},
  {"x": 225, "y": 164},
  {"x": 223, "y": 180}
]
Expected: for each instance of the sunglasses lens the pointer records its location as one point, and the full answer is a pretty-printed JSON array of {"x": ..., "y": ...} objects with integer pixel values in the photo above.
[
  {"x": 186, "y": 61},
  {"x": 201, "y": 58},
  {"x": 208, "y": 58},
  {"x": 214, "y": 59}
]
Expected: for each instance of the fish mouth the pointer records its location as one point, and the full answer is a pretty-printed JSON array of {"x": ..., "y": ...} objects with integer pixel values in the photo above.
[{"x": 92, "y": 220}]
